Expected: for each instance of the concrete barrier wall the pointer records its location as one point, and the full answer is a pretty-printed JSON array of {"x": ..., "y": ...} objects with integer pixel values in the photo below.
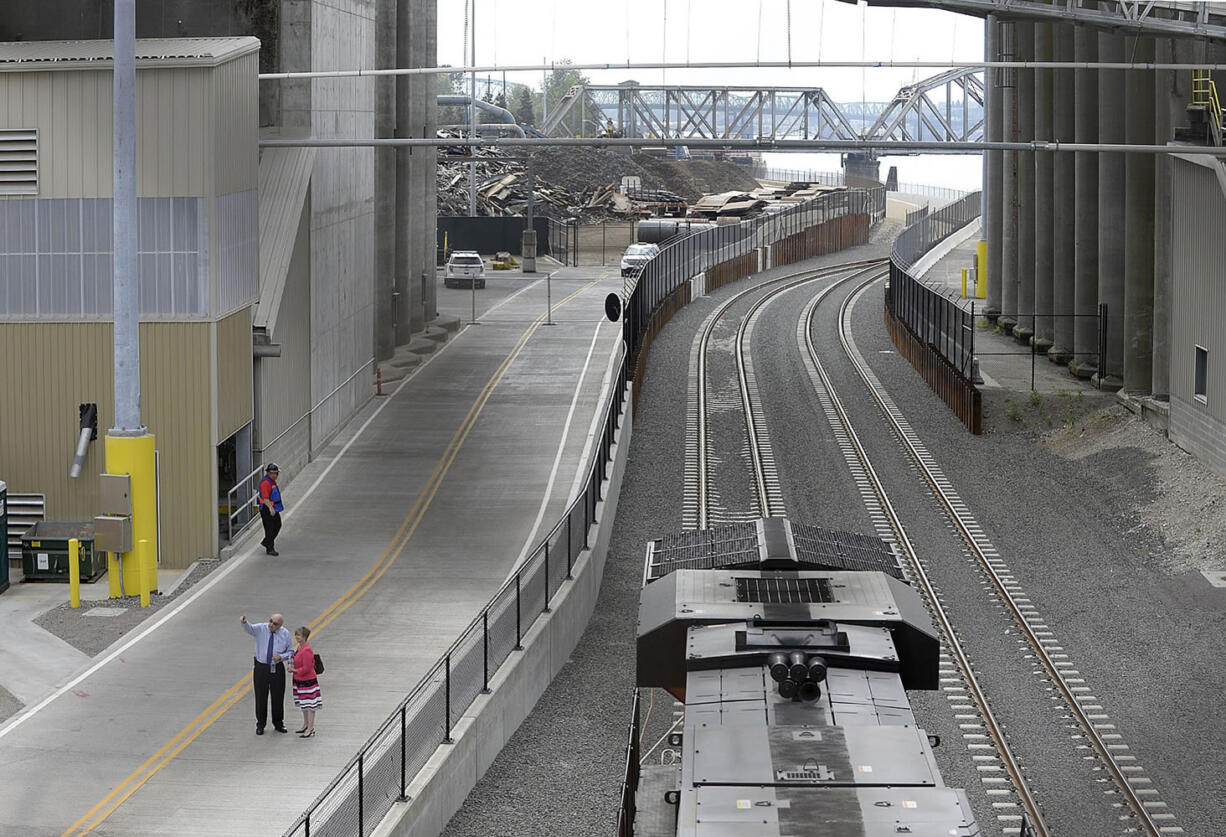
[{"x": 440, "y": 788}]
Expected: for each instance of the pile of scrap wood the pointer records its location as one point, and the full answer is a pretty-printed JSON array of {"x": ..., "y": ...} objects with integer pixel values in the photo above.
[
  {"x": 503, "y": 185},
  {"x": 727, "y": 205}
]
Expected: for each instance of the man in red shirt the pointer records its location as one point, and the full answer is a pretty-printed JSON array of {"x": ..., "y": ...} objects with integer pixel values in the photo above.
[{"x": 270, "y": 507}]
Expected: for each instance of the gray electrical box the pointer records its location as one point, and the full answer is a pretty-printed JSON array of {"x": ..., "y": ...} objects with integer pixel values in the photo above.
[
  {"x": 115, "y": 495},
  {"x": 113, "y": 533}
]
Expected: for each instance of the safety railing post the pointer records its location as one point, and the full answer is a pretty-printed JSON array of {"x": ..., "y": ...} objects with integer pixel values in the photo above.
[
  {"x": 569, "y": 543},
  {"x": 485, "y": 651},
  {"x": 361, "y": 794},
  {"x": 447, "y": 694},
  {"x": 545, "y": 609},
  {"x": 518, "y": 629},
  {"x": 403, "y": 754}
]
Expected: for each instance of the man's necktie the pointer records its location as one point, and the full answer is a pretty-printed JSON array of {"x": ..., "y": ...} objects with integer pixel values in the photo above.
[{"x": 272, "y": 666}]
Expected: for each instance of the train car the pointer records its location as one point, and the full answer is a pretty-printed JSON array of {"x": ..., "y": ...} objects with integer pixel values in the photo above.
[{"x": 792, "y": 648}]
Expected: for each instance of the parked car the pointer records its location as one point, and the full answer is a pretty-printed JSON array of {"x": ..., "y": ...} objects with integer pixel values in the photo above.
[
  {"x": 636, "y": 256},
  {"x": 465, "y": 270}
]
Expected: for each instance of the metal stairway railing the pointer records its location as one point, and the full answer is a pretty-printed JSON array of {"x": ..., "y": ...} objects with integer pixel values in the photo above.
[{"x": 1204, "y": 94}]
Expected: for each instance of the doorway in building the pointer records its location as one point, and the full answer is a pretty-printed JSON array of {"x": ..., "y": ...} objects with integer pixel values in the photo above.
[{"x": 236, "y": 485}]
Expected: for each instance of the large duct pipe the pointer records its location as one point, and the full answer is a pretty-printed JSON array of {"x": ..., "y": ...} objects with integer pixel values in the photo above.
[
  {"x": 89, "y": 432},
  {"x": 508, "y": 119}
]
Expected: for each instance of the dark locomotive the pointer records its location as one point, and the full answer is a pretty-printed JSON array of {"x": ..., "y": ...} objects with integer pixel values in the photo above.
[{"x": 792, "y": 649}]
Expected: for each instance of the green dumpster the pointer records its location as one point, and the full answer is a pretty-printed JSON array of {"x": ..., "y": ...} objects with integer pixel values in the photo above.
[{"x": 44, "y": 551}]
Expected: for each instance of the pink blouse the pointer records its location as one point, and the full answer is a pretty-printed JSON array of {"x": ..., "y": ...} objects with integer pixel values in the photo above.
[{"x": 304, "y": 663}]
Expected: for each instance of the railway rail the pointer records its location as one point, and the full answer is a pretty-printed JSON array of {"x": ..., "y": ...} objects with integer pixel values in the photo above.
[{"x": 1019, "y": 813}]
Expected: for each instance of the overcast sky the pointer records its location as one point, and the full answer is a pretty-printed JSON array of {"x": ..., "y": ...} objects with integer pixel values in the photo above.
[{"x": 534, "y": 31}]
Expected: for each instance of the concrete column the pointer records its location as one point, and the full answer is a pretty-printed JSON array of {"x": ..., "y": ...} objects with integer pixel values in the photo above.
[
  {"x": 1111, "y": 212},
  {"x": 1173, "y": 91},
  {"x": 1064, "y": 200},
  {"x": 1139, "y": 116},
  {"x": 1009, "y": 213},
  {"x": 404, "y": 182},
  {"x": 1025, "y": 104},
  {"x": 1044, "y": 200},
  {"x": 1085, "y": 220},
  {"x": 419, "y": 88},
  {"x": 429, "y": 212},
  {"x": 294, "y": 47},
  {"x": 385, "y": 182},
  {"x": 993, "y": 165}
]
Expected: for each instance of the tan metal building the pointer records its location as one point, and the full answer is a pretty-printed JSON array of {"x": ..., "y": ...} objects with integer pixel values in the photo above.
[
  {"x": 1198, "y": 308},
  {"x": 197, "y": 102}
]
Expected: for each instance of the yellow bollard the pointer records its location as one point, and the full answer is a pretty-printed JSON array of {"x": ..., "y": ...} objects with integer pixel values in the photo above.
[
  {"x": 74, "y": 572},
  {"x": 142, "y": 571},
  {"x": 981, "y": 270},
  {"x": 113, "y": 573},
  {"x": 964, "y": 283}
]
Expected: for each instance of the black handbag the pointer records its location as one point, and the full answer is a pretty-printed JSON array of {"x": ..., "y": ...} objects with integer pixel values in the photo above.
[{"x": 319, "y": 664}]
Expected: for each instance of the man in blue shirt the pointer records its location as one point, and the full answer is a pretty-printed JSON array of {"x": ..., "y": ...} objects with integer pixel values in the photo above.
[
  {"x": 270, "y": 507},
  {"x": 273, "y": 646}
]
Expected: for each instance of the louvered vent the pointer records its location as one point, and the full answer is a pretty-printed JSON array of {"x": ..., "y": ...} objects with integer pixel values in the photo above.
[
  {"x": 18, "y": 162},
  {"x": 773, "y": 590}
]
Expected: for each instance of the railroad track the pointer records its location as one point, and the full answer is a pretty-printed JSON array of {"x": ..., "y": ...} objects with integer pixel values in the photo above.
[
  {"x": 701, "y": 508},
  {"x": 1017, "y": 809},
  {"x": 1093, "y": 725}
]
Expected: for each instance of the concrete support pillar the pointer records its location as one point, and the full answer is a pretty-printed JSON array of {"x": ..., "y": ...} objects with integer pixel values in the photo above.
[
  {"x": 1025, "y": 105},
  {"x": 385, "y": 182},
  {"x": 1111, "y": 212},
  {"x": 1085, "y": 221},
  {"x": 404, "y": 181},
  {"x": 1064, "y": 200},
  {"x": 1044, "y": 199},
  {"x": 1139, "y": 119},
  {"x": 993, "y": 167},
  {"x": 429, "y": 211},
  {"x": 1008, "y": 246},
  {"x": 1173, "y": 91},
  {"x": 419, "y": 87}
]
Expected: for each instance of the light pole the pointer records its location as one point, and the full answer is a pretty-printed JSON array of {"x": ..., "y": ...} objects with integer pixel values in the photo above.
[{"x": 130, "y": 447}]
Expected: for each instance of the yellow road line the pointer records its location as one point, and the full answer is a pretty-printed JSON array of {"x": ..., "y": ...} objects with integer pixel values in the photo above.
[{"x": 96, "y": 815}]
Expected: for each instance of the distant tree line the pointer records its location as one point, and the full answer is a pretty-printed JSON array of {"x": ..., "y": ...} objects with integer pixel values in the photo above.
[{"x": 526, "y": 104}]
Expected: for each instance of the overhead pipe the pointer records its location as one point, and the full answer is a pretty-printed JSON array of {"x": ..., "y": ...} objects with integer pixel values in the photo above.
[
  {"x": 508, "y": 118},
  {"x": 762, "y": 144},
  {"x": 757, "y": 65}
]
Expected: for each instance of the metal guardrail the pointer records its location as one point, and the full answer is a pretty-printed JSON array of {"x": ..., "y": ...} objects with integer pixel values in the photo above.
[
  {"x": 378, "y": 776},
  {"x": 826, "y": 178},
  {"x": 240, "y": 499},
  {"x": 932, "y": 331},
  {"x": 240, "y": 503},
  {"x": 942, "y": 195},
  {"x": 630, "y": 783},
  {"x": 698, "y": 252}
]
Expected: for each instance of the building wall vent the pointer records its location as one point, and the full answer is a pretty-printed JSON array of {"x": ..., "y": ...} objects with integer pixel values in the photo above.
[{"x": 18, "y": 162}]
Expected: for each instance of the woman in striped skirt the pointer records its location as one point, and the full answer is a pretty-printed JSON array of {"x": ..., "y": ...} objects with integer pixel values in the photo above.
[{"x": 306, "y": 685}]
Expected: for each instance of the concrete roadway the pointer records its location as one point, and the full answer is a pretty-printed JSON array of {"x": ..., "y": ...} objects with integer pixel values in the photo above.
[{"x": 394, "y": 539}]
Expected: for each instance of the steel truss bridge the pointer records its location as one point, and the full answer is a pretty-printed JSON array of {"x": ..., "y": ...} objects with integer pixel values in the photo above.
[{"x": 944, "y": 108}]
